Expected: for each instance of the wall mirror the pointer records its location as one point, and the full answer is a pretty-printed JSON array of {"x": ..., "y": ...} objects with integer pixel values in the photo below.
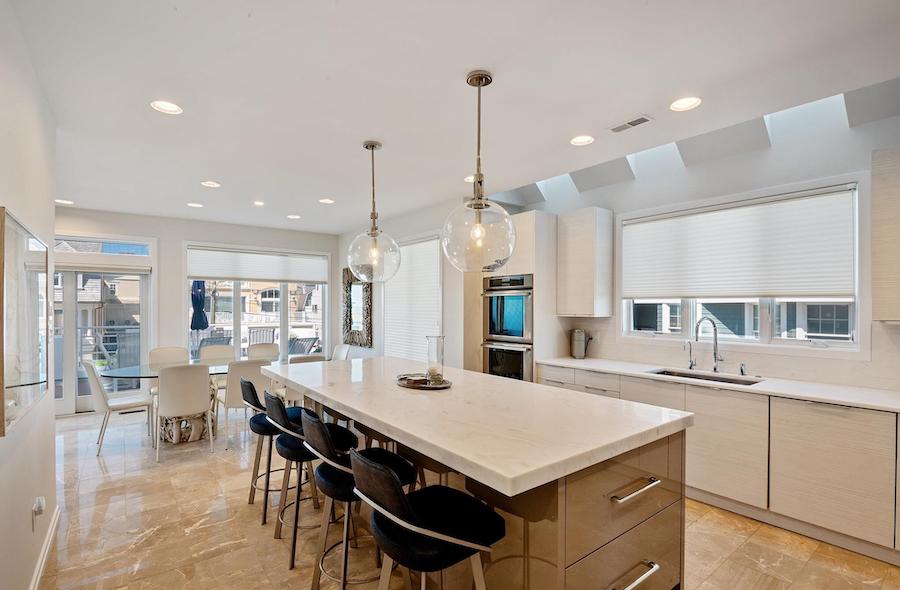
[
  {"x": 24, "y": 302},
  {"x": 357, "y": 310}
]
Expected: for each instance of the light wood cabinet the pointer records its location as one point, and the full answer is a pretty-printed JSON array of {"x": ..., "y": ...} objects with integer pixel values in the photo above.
[
  {"x": 600, "y": 382},
  {"x": 834, "y": 466},
  {"x": 584, "y": 263},
  {"x": 728, "y": 445},
  {"x": 522, "y": 261},
  {"x": 554, "y": 373},
  {"x": 651, "y": 391},
  {"x": 885, "y": 234}
]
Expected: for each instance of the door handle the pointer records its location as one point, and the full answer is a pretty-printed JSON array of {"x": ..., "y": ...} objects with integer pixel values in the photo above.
[{"x": 652, "y": 482}]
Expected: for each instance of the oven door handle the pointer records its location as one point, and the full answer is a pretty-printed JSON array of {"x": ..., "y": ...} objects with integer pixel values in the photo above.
[
  {"x": 524, "y": 293},
  {"x": 516, "y": 347}
]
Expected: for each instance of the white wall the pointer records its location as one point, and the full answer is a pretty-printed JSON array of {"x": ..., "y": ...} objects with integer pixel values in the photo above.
[
  {"x": 169, "y": 277},
  {"x": 809, "y": 144},
  {"x": 27, "y": 466},
  {"x": 414, "y": 225}
]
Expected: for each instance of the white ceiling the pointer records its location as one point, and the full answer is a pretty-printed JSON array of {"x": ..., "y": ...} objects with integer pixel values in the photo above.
[{"x": 279, "y": 95}]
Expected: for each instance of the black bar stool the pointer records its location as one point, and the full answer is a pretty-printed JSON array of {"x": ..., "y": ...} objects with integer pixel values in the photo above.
[
  {"x": 265, "y": 432},
  {"x": 289, "y": 445},
  {"x": 334, "y": 478},
  {"x": 427, "y": 530}
]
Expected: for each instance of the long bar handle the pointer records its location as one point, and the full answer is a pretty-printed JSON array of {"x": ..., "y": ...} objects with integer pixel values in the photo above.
[
  {"x": 652, "y": 566},
  {"x": 523, "y": 293},
  {"x": 652, "y": 482}
]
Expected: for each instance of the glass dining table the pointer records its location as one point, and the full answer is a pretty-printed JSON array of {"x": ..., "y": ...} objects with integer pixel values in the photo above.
[{"x": 186, "y": 428}]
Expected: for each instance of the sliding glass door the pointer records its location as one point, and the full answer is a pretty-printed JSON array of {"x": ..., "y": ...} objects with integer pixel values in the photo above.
[{"x": 98, "y": 317}]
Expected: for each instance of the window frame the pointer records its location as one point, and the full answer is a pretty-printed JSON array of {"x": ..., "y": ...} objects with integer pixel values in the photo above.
[{"x": 859, "y": 349}]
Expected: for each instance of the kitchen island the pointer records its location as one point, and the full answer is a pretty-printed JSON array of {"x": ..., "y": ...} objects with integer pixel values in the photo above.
[{"x": 591, "y": 488}]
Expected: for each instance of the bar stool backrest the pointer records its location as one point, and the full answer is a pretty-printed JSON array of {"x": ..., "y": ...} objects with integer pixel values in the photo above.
[
  {"x": 380, "y": 484},
  {"x": 183, "y": 390},
  {"x": 317, "y": 436},
  {"x": 251, "y": 398},
  {"x": 277, "y": 415}
]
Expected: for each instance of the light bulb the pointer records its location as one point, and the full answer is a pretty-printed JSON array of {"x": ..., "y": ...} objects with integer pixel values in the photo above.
[{"x": 477, "y": 232}]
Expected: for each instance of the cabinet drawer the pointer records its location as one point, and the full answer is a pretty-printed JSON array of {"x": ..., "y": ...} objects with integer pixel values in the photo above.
[
  {"x": 560, "y": 384},
  {"x": 605, "y": 500},
  {"x": 833, "y": 466},
  {"x": 651, "y": 391},
  {"x": 558, "y": 374},
  {"x": 652, "y": 549},
  {"x": 597, "y": 381}
]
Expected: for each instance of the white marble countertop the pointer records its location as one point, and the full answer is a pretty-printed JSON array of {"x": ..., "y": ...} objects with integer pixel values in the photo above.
[
  {"x": 845, "y": 395},
  {"x": 509, "y": 435}
]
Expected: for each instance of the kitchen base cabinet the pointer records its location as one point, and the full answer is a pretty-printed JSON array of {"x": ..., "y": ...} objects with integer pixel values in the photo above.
[
  {"x": 651, "y": 551},
  {"x": 834, "y": 466},
  {"x": 728, "y": 445},
  {"x": 653, "y": 392}
]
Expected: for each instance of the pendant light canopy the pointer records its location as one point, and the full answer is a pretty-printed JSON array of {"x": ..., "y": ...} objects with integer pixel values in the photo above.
[
  {"x": 478, "y": 235},
  {"x": 374, "y": 256}
]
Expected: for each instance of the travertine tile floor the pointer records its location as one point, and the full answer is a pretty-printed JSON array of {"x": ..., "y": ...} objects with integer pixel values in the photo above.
[{"x": 127, "y": 522}]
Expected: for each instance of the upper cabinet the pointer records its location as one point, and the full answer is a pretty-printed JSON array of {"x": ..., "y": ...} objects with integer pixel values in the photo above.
[
  {"x": 584, "y": 262},
  {"x": 886, "y": 234}
]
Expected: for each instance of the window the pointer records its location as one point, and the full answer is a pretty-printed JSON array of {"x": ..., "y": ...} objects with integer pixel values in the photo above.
[
  {"x": 412, "y": 301},
  {"x": 659, "y": 316},
  {"x": 280, "y": 301},
  {"x": 822, "y": 319},
  {"x": 94, "y": 246},
  {"x": 772, "y": 270}
]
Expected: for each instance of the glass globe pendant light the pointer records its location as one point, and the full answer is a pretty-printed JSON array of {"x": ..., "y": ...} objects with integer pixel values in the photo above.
[
  {"x": 478, "y": 235},
  {"x": 374, "y": 256}
]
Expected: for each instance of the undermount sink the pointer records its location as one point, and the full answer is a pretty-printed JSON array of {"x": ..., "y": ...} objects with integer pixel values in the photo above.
[{"x": 708, "y": 376}]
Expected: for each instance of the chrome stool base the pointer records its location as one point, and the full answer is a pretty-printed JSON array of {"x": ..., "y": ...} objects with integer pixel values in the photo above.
[
  {"x": 260, "y": 487},
  {"x": 367, "y": 541},
  {"x": 289, "y": 523}
]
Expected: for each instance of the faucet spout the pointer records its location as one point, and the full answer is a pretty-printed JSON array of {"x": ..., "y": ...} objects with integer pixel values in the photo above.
[{"x": 716, "y": 356}]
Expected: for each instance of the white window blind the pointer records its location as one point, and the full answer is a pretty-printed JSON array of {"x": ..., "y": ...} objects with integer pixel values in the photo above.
[
  {"x": 204, "y": 263},
  {"x": 802, "y": 246},
  {"x": 412, "y": 301}
]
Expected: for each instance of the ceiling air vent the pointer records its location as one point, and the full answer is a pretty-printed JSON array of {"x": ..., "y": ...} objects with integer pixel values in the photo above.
[{"x": 629, "y": 124}]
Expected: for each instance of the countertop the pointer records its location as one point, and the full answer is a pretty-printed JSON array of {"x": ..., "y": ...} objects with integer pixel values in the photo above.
[
  {"x": 509, "y": 435},
  {"x": 845, "y": 395}
]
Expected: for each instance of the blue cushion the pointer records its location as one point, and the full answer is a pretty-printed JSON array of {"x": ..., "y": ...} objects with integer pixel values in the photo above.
[
  {"x": 291, "y": 448},
  {"x": 261, "y": 425}
]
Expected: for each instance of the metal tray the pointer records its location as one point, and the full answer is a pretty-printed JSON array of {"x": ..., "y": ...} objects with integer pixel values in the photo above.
[{"x": 415, "y": 381}]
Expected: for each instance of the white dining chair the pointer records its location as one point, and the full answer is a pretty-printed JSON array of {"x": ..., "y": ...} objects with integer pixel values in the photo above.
[
  {"x": 231, "y": 397},
  {"x": 263, "y": 350},
  {"x": 183, "y": 391},
  {"x": 167, "y": 355},
  {"x": 341, "y": 352},
  {"x": 217, "y": 354},
  {"x": 103, "y": 402}
]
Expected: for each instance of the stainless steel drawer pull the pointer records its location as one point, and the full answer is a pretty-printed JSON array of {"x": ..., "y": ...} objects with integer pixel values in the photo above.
[
  {"x": 554, "y": 381},
  {"x": 653, "y": 568},
  {"x": 652, "y": 482},
  {"x": 595, "y": 388}
]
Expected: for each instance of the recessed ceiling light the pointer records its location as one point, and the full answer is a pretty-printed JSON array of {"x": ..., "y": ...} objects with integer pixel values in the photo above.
[
  {"x": 326, "y": 201},
  {"x": 293, "y": 217},
  {"x": 164, "y": 106},
  {"x": 64, "y": 202},
  {"x": 469, "y": 178},
  {"x": 580, "y": 140},
  {"x": 258, "y": 203},
  {"x": 210, "y": 184},
  {"x": 685, "y": 104},
  {"x": 195, "y": 205}
]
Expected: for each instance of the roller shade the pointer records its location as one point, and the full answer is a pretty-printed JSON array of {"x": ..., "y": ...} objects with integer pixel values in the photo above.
[
  {"x": 412, "y": 301},
  {"x": 203, "y": 263},
  {"x": 803, "y": 246}
]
